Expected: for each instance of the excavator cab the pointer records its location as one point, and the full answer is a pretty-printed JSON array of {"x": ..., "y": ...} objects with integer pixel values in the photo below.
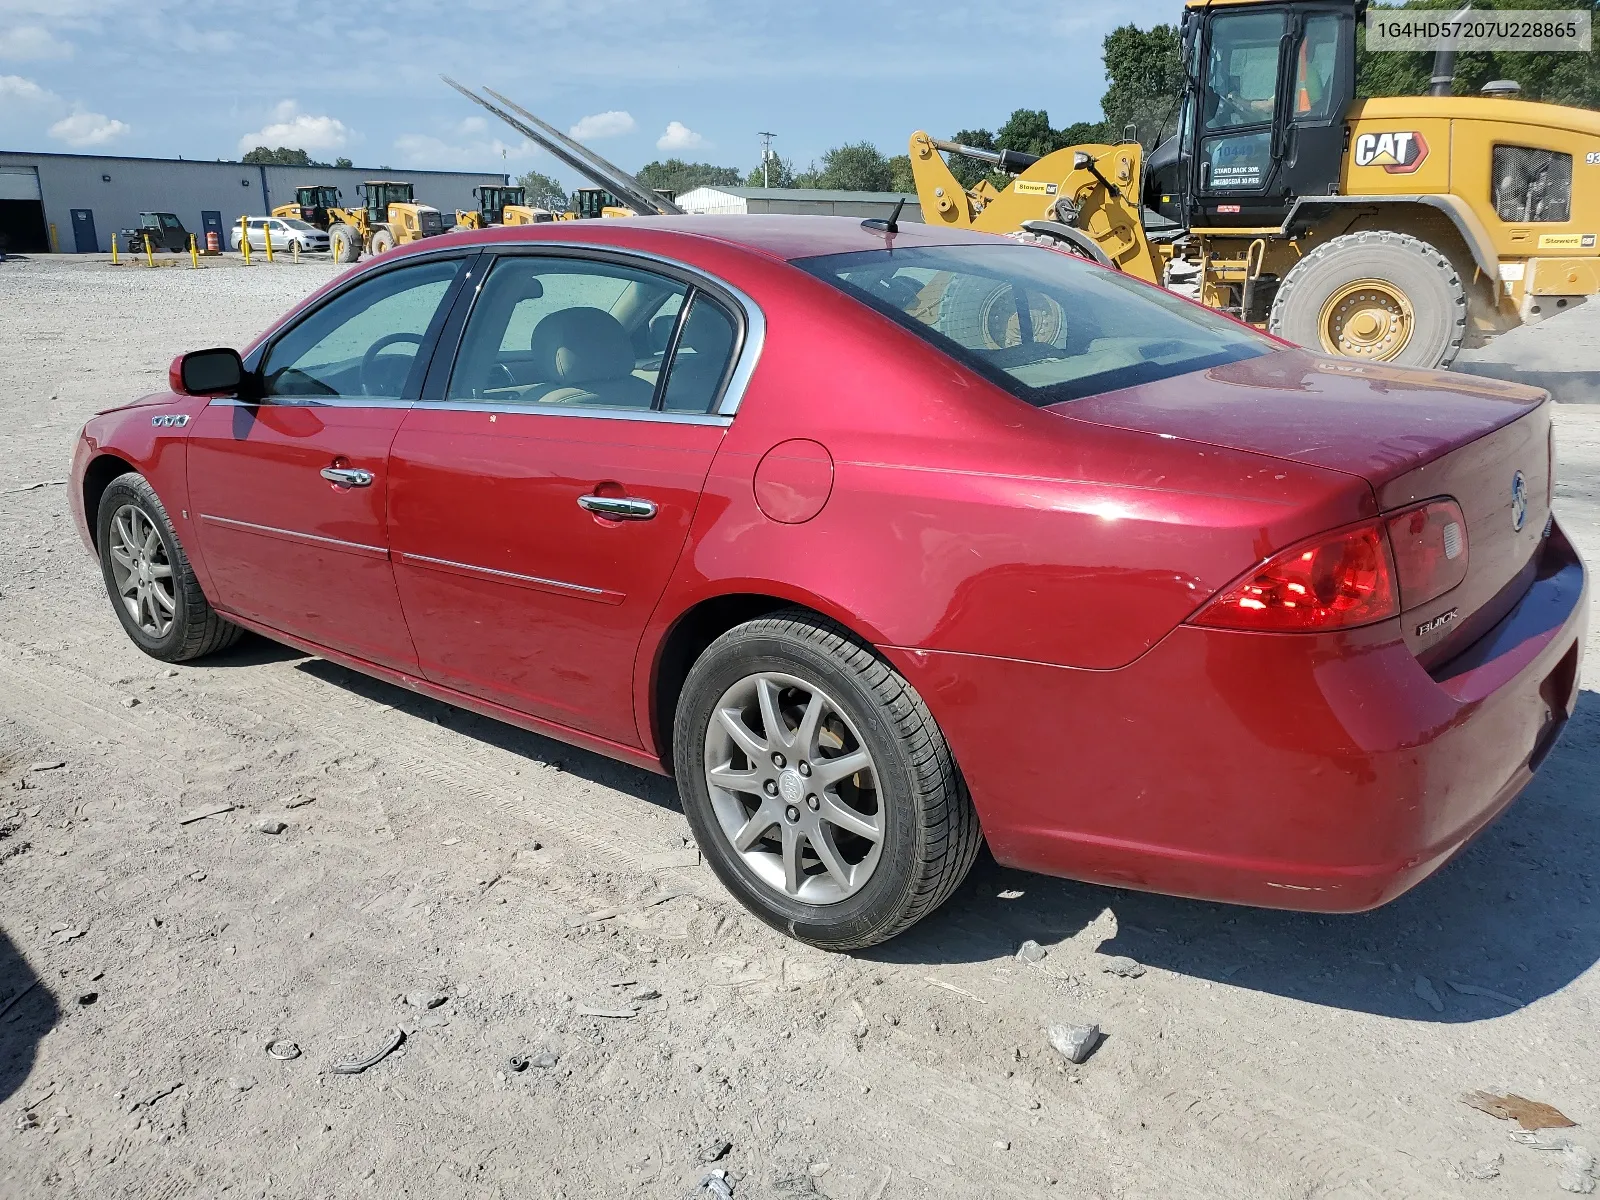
[
  {"x": 1262, "y": 116},
  {"x": 492, "y": 203},
  {"x": 315, "y": 202},
  {"x": 594, "y": 202},
  {"x": 380, "y": 194}
]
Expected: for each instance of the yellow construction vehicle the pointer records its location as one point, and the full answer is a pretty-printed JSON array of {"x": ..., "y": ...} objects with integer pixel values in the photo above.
[
  {"x": 501, "y": 206},
  {"x": 389, "y": 217},
  {"x": 1394, "y": 229}
]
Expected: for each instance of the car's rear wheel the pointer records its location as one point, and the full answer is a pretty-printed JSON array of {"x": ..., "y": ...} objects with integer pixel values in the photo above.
[
  {"x": 149, "y": 580},
  {"x": 818, "y": 785}
]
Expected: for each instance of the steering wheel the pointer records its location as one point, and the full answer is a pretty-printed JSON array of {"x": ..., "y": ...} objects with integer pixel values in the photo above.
[{"x": 371, "y": 379}]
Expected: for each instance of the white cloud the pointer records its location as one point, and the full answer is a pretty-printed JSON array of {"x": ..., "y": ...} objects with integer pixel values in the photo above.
[
  {"x": 32, "y": 42},
  {"x": 87, "y": 129},
  {"x": 679, "y": 137},
  {"x": 298, "y": 130},
  {"x": 603, "y": 125},
  {"x": 478, "y": 154},
  {"x": 25, "y": 91}
]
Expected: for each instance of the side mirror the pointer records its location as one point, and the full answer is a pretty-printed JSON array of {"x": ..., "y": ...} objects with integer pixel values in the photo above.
[{"x": 206, "y": 372}]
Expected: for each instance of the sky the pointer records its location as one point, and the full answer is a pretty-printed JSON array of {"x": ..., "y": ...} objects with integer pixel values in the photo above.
[{"x": 694, "y": 79}]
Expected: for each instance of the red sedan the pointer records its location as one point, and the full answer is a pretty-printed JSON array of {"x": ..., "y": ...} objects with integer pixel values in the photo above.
[{"x": 884, "y": 544}]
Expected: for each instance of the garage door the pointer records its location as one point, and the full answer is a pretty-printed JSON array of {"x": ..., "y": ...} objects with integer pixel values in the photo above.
[{"x": 22, "y": 225}]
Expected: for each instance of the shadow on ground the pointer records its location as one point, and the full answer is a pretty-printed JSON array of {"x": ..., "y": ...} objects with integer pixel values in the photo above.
[
  {"x": 28, "y": 1011},
  {"x": 1517, "y": 913}
]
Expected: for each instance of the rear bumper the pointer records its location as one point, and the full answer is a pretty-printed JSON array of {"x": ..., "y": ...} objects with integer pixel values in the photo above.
[{"x": 1323, "y": 773}]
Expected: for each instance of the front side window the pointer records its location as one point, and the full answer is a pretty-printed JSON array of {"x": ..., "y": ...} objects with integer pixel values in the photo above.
[
  {"x": 364, "y": 342},
  {"x": 1044, "y": 325},
  {"x": 1242, "y": 70},
  {"x": 168, "y": 221},
  {"x": 589, "y": 334}
]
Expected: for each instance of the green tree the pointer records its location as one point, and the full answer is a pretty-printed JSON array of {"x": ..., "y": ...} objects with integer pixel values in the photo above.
[
  {"x": 1083, "y": 133},
  {"x": 811, "y": 177},
  {"x": 857, "y": 167},
  {"x": 283, "y": 156},
  {"x": 779, "y": 173},
  {"x": 1145, "y": 68},
  {"x": 343, "y": 162},
  {"x": 544, "y": 191},
  {"x": 1572, "y": 79},
  {"x": 901, "y": 178},
  {"x": 1029, "y": 130},
  {"x": 678, "y": 177}
]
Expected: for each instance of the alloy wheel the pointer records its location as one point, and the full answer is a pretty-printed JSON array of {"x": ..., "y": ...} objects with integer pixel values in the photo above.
[
  {"x": 794, "y": 788},
  {"x": 142, "y": 571}
]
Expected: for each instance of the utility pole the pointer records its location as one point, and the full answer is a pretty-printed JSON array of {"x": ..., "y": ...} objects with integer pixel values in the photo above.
[{"x": 766, "y": 156}]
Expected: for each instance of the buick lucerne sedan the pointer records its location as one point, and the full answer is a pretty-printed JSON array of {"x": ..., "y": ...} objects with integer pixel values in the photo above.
[{"x": 884, "y": 544}]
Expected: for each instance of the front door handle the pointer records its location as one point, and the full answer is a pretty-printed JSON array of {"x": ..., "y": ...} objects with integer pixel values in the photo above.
[
  {"x": 621, "y": 508},
  {"x": 347, "y": 476}
]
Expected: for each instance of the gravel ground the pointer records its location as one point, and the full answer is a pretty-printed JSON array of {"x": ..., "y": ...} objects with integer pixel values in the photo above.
[{"x": 146, "y": 965}]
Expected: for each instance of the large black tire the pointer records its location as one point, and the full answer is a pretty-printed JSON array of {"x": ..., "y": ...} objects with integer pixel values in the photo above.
[
  {"x": 929, "y": 828},
  {"x": 382, "y": 241},
  {"x": 1418, "y": 271},
  {"x": 344, "y": 244},
  {"x": 194, "y": 628}
]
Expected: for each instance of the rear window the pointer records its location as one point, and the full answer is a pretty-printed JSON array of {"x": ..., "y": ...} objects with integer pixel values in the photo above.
[{"x": 1044, "y": 325}]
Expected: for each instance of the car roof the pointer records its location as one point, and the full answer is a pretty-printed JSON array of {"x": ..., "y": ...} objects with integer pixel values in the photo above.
[{"x": 776, "y": 236}]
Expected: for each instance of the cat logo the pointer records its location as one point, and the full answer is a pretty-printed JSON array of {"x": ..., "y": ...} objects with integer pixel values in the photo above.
[
  {"x": 171, "y": 420},
  {"x": 1396, "y": 153}
]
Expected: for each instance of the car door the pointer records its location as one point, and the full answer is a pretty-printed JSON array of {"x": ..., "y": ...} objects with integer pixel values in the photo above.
[
  {"x": 289, "y": 481},
  {"x": 542, "y": 491}
]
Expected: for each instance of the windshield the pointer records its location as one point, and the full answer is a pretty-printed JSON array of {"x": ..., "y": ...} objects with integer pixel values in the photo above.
[{"x": 1044, "y": 325}]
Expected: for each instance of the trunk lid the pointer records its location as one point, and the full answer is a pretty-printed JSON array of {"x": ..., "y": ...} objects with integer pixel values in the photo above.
[{"x": 1412, "y": 435}]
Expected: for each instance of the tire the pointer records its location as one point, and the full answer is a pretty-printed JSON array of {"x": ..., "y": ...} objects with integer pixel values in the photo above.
[
  {"x": 382, "y": 241},
  {"x": 1406, "y": 266},
  {"x": 909, "y": 792},
  {"x": 343, "y": 244},
  {"x": 192, "y": 627}
]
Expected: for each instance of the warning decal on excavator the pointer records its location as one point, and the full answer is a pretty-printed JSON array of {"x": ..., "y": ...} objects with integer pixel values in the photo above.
[
  {"x": 1028, "y": 187},
  {"x": 1398, "y": 153}
]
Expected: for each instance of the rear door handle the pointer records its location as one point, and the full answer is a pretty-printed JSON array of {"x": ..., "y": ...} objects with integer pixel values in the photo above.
[
  {"x": 347, "y": 476},
  {"x": 622, "y": 508}
]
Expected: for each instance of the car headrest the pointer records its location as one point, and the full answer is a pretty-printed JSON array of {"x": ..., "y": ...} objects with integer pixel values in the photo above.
[{"x": 578, "y": 344}]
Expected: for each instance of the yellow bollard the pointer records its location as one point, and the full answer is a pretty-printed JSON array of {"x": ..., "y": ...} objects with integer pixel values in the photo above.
[
  {"x": 194, "y": 252},
  {"x": 244, "y": 241},
  {"x": 266, "y": 232},
  {"x": 55, "y": 242},
  {"x": 114, "y": 250},
  {"x": 149, "y": 251}
]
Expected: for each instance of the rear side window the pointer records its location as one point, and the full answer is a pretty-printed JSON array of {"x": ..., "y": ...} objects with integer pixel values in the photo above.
[{"x": 1044, "y": 325}]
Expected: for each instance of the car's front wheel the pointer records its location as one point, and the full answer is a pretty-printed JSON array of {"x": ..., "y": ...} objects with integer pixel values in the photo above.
[
  {"x": 818, "y": 785},
  {"x": 149, "y": 580}
]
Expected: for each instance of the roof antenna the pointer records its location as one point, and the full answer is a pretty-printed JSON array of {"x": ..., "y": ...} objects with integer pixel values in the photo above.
[{"x": 890, "y": 226}]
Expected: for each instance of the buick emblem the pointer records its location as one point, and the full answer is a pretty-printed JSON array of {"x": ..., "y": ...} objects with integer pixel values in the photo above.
[{"x": 1519, "y": 501}]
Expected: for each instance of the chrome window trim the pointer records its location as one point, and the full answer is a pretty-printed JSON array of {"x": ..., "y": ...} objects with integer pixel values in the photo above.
[
  {"x": 755, "y": 321},
  {"x": 309, "y": 402},
  {"x": 576, "y": 410}
]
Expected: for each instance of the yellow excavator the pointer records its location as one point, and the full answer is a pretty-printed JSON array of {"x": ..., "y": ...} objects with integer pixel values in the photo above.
[
  {"x": 390, "y": 217},
  {"x": 502, "y": 206},
  {"x": 1395, "y": 229}
]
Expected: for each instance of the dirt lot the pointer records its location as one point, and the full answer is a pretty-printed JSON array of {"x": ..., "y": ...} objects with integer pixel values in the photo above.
[{"x": 428, "y": 853}]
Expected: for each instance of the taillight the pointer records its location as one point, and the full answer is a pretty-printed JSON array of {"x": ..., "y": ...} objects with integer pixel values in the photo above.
[
  {"x": 1430, "y": 550},
  {"x": 1333, "y": 581}
]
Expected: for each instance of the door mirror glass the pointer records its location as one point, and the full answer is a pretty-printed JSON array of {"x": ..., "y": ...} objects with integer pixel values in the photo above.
[
  {"x": 209, "y": 372},
  {"x": 365, "y": 342}
]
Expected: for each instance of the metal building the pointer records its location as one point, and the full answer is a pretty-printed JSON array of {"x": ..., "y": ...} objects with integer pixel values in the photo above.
[
  {"x": 806, "y": 201},
  {"x": 73, "y": 203}
]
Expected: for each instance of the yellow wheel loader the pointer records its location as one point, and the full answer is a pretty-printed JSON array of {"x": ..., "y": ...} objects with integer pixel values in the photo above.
[
  {"x": 312, "y": 205},
  {"x": 390, "y": 217},
  {"x": 1395, "y": 229},
  {"x": 501, "y": 206}
]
